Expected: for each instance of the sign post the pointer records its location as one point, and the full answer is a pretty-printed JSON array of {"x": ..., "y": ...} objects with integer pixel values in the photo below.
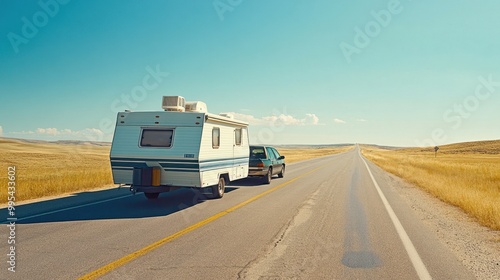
[{"x": 435, "y": 151}]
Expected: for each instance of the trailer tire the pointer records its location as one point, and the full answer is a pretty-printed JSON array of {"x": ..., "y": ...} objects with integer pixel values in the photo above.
[
  {"x": 151, "y": 195},
  {"x": 282, "y": 172},
  {"x": 268, "y": 177},
  {"x": 219, "y": 189}
]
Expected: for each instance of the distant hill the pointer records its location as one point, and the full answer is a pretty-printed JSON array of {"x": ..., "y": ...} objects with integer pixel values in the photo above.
[
  {"x": 305, "y": 146},
  {"x": 60, "y": 142},
  {"x": 477, "y": 147},
  {"x": 381, "y": 147}
]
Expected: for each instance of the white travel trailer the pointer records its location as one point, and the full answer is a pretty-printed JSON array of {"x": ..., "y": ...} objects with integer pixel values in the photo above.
[{"x": 183, "y": 146}]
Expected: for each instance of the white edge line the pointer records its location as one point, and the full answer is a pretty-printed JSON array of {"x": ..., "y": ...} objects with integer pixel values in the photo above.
[
  {"x": 417, "y": 262},
  {"x": 66, "y": 209}
]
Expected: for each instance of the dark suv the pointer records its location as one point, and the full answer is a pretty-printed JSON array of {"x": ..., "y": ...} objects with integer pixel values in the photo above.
[{"x": 265, "y": 162}]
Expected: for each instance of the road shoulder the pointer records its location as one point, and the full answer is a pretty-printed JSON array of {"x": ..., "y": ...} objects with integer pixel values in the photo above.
[{"x": 476, "y": 246}]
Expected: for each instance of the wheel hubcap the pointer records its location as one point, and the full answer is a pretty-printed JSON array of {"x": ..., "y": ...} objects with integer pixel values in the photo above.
[{"x": 221, "y": 187}]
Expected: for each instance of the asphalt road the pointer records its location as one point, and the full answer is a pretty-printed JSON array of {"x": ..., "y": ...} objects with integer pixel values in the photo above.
[{"x": 327, "y": 219}]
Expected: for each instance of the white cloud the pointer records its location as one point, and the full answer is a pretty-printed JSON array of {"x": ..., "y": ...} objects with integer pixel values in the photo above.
[
  {"x": 312, "y": 119},
  {"x": 277, "y": 120},
  {"x": 48, "y": 131},
  {"x": 283, "y": 119},
  {"x": 247, "y": 118},
  {"x": 1, "y": 131},
  {"x": 338, "y": 120}
]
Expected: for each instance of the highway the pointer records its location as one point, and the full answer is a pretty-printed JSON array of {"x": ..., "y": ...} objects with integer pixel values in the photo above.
[{"x": 334, "y": 217}]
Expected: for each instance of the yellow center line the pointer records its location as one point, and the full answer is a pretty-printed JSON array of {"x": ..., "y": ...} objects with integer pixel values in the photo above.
[{"x": 122, "y": 261}]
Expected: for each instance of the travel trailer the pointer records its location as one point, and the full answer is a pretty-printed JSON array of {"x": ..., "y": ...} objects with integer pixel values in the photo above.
[{"x": 183, "y": 146}]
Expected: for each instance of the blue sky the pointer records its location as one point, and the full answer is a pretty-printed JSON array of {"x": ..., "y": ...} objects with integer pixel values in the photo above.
[{"x": 387, "y": 72}]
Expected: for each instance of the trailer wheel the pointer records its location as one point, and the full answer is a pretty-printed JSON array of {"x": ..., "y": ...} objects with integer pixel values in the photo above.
[
  {"x": 151, "y": 195},
  {"x": 282, "y": 172},
  {"x": 219, "y": 189},
  {"x": 268, "y": 176}
]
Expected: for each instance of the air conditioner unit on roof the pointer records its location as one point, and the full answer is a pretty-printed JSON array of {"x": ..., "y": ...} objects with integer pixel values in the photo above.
[
  {"x": 196, "y": 106},
  {"x": 174, "y": 103}
]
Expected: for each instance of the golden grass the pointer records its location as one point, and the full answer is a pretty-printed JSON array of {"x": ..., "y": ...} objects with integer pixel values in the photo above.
[
  {"x": 298, "y": 154},
  {"x": 45, "y": 169},
  {"x": 478, "y": 147},
  {"x": 48, "y": 169},
  {"x": 466, "y": 175}
]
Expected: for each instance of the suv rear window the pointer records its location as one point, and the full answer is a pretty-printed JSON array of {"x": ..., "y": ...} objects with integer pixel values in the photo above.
[
  {"x": 257, "y": 152},
  {"x": 159, "y": 138}
]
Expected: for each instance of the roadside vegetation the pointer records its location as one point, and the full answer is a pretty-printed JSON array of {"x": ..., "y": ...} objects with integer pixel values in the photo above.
[
  {"x": 466, "y": 175},
  {"x": 304, "y": 153},
  {"x": 48, "y": 169}
]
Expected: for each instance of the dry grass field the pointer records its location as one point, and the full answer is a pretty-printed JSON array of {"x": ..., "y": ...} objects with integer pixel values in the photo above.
[
  {"x": 298, "y": 154},
  {"x": 47, "y": 169},
  {"x": 466, "y": 175}
]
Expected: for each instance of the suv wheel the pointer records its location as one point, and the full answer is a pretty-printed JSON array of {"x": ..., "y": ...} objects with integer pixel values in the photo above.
[
  {"x": 282, "y": 172},
  {"x": 269, "y": 176}
]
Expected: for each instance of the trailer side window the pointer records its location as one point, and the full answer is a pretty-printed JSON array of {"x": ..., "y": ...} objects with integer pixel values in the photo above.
[
  {"x": 237, "y": 137},
  {"x": 215, "y": 137},
  {"x": 159, "y": 138}
]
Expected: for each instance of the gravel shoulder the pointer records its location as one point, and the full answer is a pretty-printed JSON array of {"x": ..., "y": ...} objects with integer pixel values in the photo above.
[{"x": 476, "y": 246}]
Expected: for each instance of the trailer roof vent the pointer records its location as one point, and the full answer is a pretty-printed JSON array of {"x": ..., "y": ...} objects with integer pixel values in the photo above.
[
  {"x": 173, "y": 103},
  {"x": 196, "y": 106}
]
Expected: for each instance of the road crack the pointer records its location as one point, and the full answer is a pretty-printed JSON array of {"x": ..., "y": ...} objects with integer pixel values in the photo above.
[{"x": 259, "y": 267}]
